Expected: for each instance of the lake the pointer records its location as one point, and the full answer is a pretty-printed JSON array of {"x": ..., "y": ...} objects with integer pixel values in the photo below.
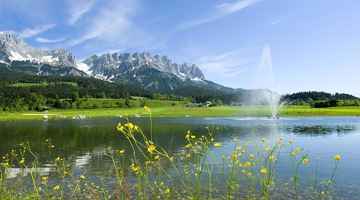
[{"x": 85, "y": 143}]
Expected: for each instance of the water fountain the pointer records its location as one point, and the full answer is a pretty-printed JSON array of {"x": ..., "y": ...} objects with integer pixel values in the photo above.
[{"x": 270, "y": 97}]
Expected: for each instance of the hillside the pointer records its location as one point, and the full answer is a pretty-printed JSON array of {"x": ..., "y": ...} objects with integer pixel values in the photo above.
[
  {"x": 21, "y": 91},
  {"x": 310, "y": 97}
]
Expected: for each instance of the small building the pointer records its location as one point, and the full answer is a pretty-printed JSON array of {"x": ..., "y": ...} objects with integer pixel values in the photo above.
[
  {"x": 206, "y": 104},
  {"x": 45, "y": 109}
]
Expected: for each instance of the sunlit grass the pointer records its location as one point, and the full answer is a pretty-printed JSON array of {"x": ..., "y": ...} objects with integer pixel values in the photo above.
[{"x": 181, "y": 111}]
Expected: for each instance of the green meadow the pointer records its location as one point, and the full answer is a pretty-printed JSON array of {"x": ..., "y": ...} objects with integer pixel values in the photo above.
[{"x": 178, "y": 109}]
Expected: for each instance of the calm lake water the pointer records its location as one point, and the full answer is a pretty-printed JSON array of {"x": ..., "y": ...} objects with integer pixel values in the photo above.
[{"x": 85, "y": 142}]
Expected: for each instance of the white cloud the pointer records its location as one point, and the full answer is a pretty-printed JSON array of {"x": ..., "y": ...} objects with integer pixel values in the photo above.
[
  {"x": 228, "y": 8},
  {"x": 30, "y": 32},
  {"x": 108, "y": 23},
  {"x": 227, "y": 64},
  {"x": 193, "y": 23},
  {"x": 78, "y": 8},
  {"x": 46, "y": 40},
  {"x": 221, "y": 10},
  {"x": 275, "y": 22}
]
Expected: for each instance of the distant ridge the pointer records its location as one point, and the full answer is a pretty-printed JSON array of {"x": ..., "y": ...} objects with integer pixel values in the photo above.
[{"x": 151, "y": 72}]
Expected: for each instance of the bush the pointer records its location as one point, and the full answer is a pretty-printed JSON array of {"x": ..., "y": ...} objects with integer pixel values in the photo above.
[{"x": 325, "y": 104}]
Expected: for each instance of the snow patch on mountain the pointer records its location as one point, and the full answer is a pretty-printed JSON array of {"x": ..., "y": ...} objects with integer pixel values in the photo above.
[
  {"x": 100, "y": 76},
  {"x": 84, "y": 67},
  {"x": 16, "y": 56},
  {"x": 48, "y": 59},
  {"x": 197, "y": 79}
]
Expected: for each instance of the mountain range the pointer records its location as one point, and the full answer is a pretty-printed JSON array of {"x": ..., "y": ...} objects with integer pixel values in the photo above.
[{"x": 151, "y": 72}]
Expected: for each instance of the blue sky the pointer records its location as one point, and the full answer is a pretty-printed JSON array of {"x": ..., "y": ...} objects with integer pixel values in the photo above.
[{"x": 315, "y": 45}]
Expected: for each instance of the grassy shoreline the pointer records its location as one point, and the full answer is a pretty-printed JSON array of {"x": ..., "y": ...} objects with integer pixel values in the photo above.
[{"x": 181, "y": 111}]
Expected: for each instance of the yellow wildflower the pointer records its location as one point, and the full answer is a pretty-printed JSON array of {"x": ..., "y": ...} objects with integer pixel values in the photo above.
[
  {"x": 272, "y": 157},
  {"x": 263, "y": 140},
  {"x": 22, "y": 161},
  {"x": 57, "y": 187},
  {"x": 263, "y": 171},
  {"x": 298, "y": 149},
  {"x": 305, "y": 161},
  {"x": 147, "y": 109},
  {"x": 234, "y": 156},
  {"x": 135, "y": 169},
  {"x": 45, "y": 178},
  {"x": 130, "y": 126},
  {"x": 337, "y": 157},
  {"x": 280, "y": 138},
  {"x": 248, "y": 164},
  {"x": 151, "y": 148},
  {"x": 188, "y": 145},
  {"x": 167, "y": 191},
  {"x": 171, "y": 159},
  {"x": 251, "y": 156},
  {"x": 243, "y": 171},
  {"x": 290, "y": 141},
  {"x": 57, "y": 159},
  {"x": 121, "y": 152},
  {"x": 187, "y": 155},
  {"x": 82, "y": 177},
  {"x": 119, "y": 127},
  {"x": 217, "y": 144},
  {"x": 267, "y": 149},
  {"x": 157, "y": 157},
  {"x": 293, "y": 154},
  {"x": 239, "y": 148},
  {"x": 193, "y": 137}
]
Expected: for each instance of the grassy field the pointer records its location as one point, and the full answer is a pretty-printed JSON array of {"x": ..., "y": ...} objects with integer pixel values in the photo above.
[
  {"x": 137, "y": 103},
  {"x": 182, "y": 111}
]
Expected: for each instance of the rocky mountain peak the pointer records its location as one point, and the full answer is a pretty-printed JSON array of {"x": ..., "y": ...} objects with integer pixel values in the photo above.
[
  {"x": 153, "y": 72},
  {"x": 14, "y": 48},
  {"x": 11, "y": 39},
  {"x": 64, "y": 56},
  {"x": 115, "y": 64},
  {"x": 15, "y": 53}
]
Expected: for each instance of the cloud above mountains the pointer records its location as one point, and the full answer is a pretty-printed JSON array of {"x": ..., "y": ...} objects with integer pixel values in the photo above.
[
  {"x": 36, "y": 30},
  {"x": 78, "y": 8},
  {"x": 220, "y": 11},
  {"x": 46, "y": 40},
  {"x": 109, "y": 22}
]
